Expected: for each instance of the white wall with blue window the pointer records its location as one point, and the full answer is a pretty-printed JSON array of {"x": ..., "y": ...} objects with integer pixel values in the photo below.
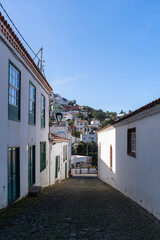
[{"x": 24, "y": 125}]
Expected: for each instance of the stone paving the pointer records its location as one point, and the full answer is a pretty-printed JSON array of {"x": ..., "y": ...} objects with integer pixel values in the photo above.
[{"x": 78, "y": 208}]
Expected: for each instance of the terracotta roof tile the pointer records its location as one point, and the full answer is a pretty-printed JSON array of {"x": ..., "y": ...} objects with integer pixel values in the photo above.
[
  {"x": 2, "y": 19},
  {"x": 57, "y": 139}
]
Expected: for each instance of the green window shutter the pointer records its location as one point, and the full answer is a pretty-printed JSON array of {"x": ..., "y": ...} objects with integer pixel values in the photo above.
[
  {"x": 42, "y": 156},
  {"x": 14, "y": 89},
  {"x": 32, "y": 102}
]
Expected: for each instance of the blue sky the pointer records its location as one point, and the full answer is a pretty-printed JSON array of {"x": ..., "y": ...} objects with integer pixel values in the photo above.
[{"x": 102, "y": 53}]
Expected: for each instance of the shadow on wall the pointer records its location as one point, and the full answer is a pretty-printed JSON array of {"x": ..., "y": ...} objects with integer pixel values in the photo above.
[{"x": 106, "y": 174}]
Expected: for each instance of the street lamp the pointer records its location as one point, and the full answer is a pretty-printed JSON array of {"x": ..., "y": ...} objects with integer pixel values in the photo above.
[{"x": 59, "y": 117}]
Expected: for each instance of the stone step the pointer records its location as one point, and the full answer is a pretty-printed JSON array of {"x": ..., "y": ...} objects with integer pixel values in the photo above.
[{"x": 35, "y": 191}]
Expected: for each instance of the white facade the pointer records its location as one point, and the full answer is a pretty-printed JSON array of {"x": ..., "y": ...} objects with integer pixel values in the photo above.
[
  {"x": 20, "y": 134},
  {"x": 63, "y": 164},
  {"x": 136, "y": 176},
  {"x": 95, "y": 123},
  {"x": 63, "y": 133},
  {"x": 88, "y": 137}
]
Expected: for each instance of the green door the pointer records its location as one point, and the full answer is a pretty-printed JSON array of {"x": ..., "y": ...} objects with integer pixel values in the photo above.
[
  {"x": 31, "y": 166},
  {"x": 13, "y": 174},
  {"x": 65, "y": 169},
  {"x": 56, "y": 167}
]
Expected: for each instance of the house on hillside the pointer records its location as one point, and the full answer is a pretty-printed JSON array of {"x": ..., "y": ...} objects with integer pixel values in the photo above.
[
  {"x": 129, "y": 156},
  {"x": 95, "y": 123},
  {"x": 88, "y": 137},
  {"x": 24, "y": 120}
]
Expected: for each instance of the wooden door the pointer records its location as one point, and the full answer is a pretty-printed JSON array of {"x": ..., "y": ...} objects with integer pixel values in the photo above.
[
  {"x": 13, "y": 175},
  {"x": 31, "y": 166}
]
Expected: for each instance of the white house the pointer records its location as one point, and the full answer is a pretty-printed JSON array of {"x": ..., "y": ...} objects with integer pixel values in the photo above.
[
  {"x": 59, "y": 158},
  {"x": 24, "y": 120},
  {"x": 95, "y": 123},
  {"x": 129, "y": 156},
  {"x": 62, "y": 132},
  {"x": 88, "y": 137}
]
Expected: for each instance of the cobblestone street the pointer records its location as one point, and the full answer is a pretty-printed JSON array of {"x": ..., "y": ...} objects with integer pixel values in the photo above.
[{"x": 78, "y": 208}]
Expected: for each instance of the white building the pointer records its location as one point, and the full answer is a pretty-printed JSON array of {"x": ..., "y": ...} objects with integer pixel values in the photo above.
[
  {"x": 88, "y": 137},
  {"x": 24, "y": 120},
  {"x": 95, "y": 123},
  {"x": 63, "y": 133},
  {"x": 59, "y": 158},
  {"x": 80, "y": 159},
  {"x": 129, "y": 156}
]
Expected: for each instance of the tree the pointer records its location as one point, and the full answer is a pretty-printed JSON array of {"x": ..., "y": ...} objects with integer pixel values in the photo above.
[
  {"x": 71, "y": 123},
  {"x": 99, "y": 115},
  {"x": 80, "y": 115},
  {"x": 75, "y": 133},
  {"x": 107, "y": 122}
]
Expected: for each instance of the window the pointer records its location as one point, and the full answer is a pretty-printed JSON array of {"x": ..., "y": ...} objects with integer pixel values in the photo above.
[
  {"x": 32, "y": 104},
  {"x": 42, "y": 156},
  {"x": 42, "y": 111},
  {"x": 14, "y": 93},
  {"x": 131, "y": 143},
  {"x": 64, "y": 153}
]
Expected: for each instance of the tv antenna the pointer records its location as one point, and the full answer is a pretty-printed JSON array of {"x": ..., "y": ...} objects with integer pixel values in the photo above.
[{"x": 40, "y": 60}]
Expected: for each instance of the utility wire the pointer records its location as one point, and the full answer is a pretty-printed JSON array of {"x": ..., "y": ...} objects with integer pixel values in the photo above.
[{"x": 18, "y": 30}]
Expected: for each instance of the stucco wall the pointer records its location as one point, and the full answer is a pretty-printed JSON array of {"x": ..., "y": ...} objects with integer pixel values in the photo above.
[
  {"x": 57, "y": 150},
  {"x": 20, "y": 134},
  {"x": 138, "y": 178}
]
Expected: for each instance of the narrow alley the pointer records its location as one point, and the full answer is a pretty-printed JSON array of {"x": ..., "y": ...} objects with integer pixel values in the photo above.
[{"x": 78, "y": 208}]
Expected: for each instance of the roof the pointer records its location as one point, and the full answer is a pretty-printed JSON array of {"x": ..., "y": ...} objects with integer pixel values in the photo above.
[
  {"x": 146, "y": 107},
  {"x": 18, "y": 46},
  {"x": 57, "y": 139}
]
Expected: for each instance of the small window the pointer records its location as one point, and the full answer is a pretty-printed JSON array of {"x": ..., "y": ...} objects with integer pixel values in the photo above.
[
  {"x": 42, "y": 111},
  {"x": 32, "y": 104},
  {"x": 131, "y": 143},
  {"x": 14, "y": 93},
  {"x": 42, "y": 156}
]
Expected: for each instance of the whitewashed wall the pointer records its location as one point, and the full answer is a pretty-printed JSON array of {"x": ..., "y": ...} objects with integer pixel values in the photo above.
[
  {"x": 20, "y": 134},
  {"x": 137, "y": 178},
  {"x": 57, "y": 150}
]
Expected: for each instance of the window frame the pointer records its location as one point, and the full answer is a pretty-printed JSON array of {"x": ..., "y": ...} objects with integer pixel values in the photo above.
[
  {"x": 65, "y": 153},
  {"x": 42, "y": 159},
  {"x": 32, "y": 116},
  {"x": 14, "y": 112},
  {"x": 44, "y": 110},
  {"x": 130, "y": 152}
]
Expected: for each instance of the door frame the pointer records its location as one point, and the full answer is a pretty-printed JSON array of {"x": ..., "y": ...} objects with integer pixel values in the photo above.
[{"x": 11, "y": 184}]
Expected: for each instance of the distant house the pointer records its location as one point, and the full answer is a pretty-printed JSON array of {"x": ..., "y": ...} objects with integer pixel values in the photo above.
[
  {"x": 24, "y": 118},
  {"x": 95, "y": 123},
  {"x": 88, "y": 137},
  {"x": 129, "y": 156},
  {"x": 70, "y": 108}
]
